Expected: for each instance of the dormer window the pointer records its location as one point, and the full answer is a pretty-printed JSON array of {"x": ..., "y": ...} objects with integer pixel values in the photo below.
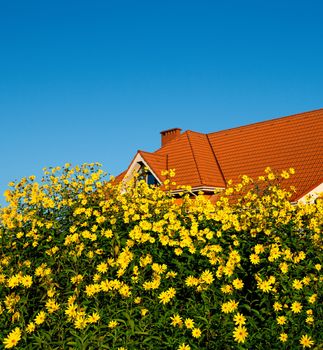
[
  {"x": 146, "y": 175},
  {"x": 145, "y": 169}
]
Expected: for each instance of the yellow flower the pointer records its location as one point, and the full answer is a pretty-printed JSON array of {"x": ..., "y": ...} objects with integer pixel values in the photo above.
[
  {"x": 254, "y": 258},
  {"x": 207, "y": 277},
  {"x": 14, "y": 281},
  {"x": 309, "y": 320},
  {"x": 102, "y": 268},
  {"x": 312, "y": 298},
  {"x": 196, "y": 332},
  {"x": 296, "y": 307},
  {"x": 306, "y": 341},
  {"x": 12, "y": 339},
  {"x": 107, "y": 233},
  {"x": 158, "y": 268},
  {"x": 189, "y": 323},
  {"x": 51, "y": 292},
  {"x": 51, "y": 306},
  {"x": 301, "y": 255},
  {"x": 184, "y": 346},
  {"x": 80, "y": 322},
  {"x": 137, "y": 300},
  {"x": 167, "y": 295},
  {"x": 239, "y": 319},
  {"x": 171, "y": 274},
  {"x": 259, "y": 248},
  {"x": 278, "y": 306},
  {"x": 265, "y": 286},
  {"x": 77, "y": 279},
  {"x": 113, "y": 324},
  {"x": 284, "y": 174},
  {"x": 271, "y": 176},
  {"x": 94, "y": 318},
  {"x": 176, "y": 320},
  {"x": 283, "y": 267},
  {"x": 227, "y": 289},
  {"x": 27, "y": 281},
  {"x": 283, "y": 337},
  {"x": 297, "y": 284},
  {"x": 30, "y": 327},
  {"x": 92, "y": 289},
  {"x": 40, "y": 318},
  {"x": 237, "y": 283},
  {"x": 191, "y": 281},
  {"x": 229, "y": 306},
  {"x": 240, "y": 334},
  {"x": 306, "y": 280},
  {"x": 71, "y": 299},
  {"x": 143, "y": 312},
  {"x": 281, "y": 320}
]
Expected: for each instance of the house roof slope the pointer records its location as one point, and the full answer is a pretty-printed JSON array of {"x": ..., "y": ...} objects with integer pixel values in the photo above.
[
  {"x": 180, "y": 157},
  {"x": 192, "y": 157},
  {"x": 294, "y": 141},
  {"x": 206, "y": 162}
]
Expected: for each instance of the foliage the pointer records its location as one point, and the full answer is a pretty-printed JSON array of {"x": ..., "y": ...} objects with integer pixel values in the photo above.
[{"x": 88, "y": 264}]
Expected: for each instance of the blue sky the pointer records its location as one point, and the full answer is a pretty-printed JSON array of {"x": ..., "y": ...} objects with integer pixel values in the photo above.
[{"x": 84, "y": 81}]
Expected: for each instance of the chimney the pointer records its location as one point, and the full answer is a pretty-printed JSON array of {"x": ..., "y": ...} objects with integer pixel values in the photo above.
[{"x": 169, "y": 135}]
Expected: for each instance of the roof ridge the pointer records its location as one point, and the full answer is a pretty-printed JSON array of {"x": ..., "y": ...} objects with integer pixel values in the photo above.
[
  {"x": 173, "y": 140},
  {"x": 197, "y": 168},
  {"x": 216, "y": 159},
  {"x": 267, "y": 121},
  {"x": 311, "y": 188},
  {"x": 195, "y": 132}
]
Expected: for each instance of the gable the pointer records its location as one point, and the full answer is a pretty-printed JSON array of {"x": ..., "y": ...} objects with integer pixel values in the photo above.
[{"x": 154, "y": 165}]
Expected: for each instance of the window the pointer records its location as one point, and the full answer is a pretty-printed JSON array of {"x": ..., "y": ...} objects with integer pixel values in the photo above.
[
  {"x": 150, "y": 179},
  {"x": 146, "y": 175}
]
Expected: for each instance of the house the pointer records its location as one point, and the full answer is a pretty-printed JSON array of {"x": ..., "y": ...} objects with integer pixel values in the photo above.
[{"x": 207, "y": 161}]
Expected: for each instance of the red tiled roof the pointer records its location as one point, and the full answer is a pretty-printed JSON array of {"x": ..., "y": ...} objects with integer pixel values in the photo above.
[
  {"x": 192, "y": 158},
  {"x": 295, "y": 141},
  {"x": 210, "y": 160}
]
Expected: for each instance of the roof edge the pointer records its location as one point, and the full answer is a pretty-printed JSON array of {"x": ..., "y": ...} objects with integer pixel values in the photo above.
[
  {"x": 266, "y": 121},
  {"x": 311, "y": 189}
]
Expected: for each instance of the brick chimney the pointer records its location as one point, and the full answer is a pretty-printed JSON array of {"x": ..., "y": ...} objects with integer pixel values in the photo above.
[{"x": 169, "y": 135}]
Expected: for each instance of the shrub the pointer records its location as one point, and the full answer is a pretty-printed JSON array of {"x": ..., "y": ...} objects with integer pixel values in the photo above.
[{"x": 86, "y": 264}]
